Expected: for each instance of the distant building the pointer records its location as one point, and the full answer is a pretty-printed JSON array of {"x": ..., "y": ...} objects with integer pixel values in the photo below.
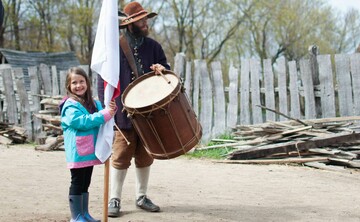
[{"x": 23, "y": 59}]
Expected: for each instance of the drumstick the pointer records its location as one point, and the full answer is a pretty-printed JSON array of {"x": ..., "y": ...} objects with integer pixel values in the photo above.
[
  {"x": 127, "y": 141},
  {"x": 166, "y": 79}
]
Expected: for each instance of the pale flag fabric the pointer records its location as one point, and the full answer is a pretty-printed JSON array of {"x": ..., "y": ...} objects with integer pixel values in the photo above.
[{"x": 105, "y": 62}]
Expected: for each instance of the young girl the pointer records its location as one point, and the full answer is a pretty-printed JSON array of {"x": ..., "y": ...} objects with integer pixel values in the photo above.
[{"x": 81, "y": 117}]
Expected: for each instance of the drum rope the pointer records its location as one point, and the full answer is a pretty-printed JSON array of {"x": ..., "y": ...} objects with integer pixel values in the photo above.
[
  {"x": 176, "y": 132},
  {"x": 153, "y": 129}
]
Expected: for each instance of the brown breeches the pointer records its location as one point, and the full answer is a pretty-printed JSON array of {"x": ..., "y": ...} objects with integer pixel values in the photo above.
[{"x": 123, "y": 153}]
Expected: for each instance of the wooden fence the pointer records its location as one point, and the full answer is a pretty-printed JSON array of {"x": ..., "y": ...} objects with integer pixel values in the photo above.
[{"x": 320, "y": 87}]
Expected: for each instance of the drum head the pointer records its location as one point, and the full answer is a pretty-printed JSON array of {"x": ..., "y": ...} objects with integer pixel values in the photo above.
[{"x": 150, "y": 91}]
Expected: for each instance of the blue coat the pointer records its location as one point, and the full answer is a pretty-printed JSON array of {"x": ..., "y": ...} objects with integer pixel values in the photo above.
[{"x": 80, "y": 129}]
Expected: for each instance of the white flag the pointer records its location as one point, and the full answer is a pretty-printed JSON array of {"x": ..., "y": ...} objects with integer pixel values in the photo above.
[{"x": 105, "y": 62}]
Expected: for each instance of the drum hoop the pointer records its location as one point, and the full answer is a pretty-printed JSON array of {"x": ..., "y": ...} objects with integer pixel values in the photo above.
[{"x": 155, "y": 106}]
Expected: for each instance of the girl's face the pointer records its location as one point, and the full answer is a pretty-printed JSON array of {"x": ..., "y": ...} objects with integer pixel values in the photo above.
[{"x": 78, "y": 85}]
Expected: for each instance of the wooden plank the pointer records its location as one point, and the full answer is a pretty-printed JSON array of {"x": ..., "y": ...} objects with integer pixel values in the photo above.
[
  {"x": 295, "y": 130},
  {"x": 55, "y": 81},
  {"x": 269, "y": 89},
  {"x": 323, "y": 166},
  {"x": 342, "y": 63},
  {"x": 11, "y": 108},
  {"x": 232, "y": 108},
  {"x": 4, "y": 140},
  {"x": 308, "y": 85},
  {"x": 263, "y": 151},
  {"x": 355, "y": 74},
  {"x": 24, "y": 108},
  {"x": 314, "y": 66},
  {"x": 1, "y": 98},
  {"x": 345, "y": 162},
  {"x": 255, "y": 91},
  {"x": 188, "y": 82},
  {"x": 35, "y": 90},
  {"x": 206, "y": 111},
  {"x": 45, "y": 76},
  {"x": 326, "y": 86},
  {"x": 274, "y": 161},
  {"x": 245, "y": 117},
  {"x": 282, "y": 85},
  {"x": 219, "y": 118},
  {"x": 179, "y": 64},
  {"x": 196, "y": 91},
  {"x": 294, "y": 91},
  {"x": 62, "y": 87}
]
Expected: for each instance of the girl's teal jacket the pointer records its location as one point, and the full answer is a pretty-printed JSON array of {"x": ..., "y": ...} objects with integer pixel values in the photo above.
[{"x": 80, "y": 129}]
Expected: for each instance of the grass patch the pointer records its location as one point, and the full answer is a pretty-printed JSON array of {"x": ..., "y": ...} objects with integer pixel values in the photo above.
[{"x": 215, "y": 153}]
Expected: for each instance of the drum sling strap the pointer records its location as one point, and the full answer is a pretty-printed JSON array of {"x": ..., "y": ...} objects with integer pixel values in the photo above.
[{"x": 128, "y": 54}]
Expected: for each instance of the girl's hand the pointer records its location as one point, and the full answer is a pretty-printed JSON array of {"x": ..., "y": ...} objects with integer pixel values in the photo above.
[{"x": 112, "y": 108}]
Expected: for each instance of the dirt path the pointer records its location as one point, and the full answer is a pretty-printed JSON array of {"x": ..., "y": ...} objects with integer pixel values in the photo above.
[{"x": 34, "y": 186}]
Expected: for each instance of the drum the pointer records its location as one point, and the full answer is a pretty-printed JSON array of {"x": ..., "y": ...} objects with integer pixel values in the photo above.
[{"x": 161, "y": 114}]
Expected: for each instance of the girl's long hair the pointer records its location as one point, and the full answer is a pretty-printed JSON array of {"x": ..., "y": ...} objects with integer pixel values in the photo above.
[{"x": 86, "y": 100}]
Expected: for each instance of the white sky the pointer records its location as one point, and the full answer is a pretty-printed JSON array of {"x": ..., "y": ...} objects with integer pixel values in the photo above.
[{"x": 344, "y": 5}]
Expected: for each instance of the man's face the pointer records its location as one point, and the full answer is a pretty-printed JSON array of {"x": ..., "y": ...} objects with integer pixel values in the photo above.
[{"x": 140, "y": 28}]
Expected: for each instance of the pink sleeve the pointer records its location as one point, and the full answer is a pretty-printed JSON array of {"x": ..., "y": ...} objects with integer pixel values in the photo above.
[{"x": 106, "y": 114}]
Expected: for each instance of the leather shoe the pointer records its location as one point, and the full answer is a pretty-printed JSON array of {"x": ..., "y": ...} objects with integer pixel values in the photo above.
[
  {"x": 146, "y": 204},
  {"x": 114, "y": 207}
]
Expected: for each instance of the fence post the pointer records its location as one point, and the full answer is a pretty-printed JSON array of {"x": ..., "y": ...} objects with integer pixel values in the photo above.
[
  {"x": 255, "y": 91},
  {"x": 55, "y": 81},
  {"x": 45, "y": 76},
  {"x": 179, "y": 64},
  {"x": 11, "y": 110},
  {"x": 219, "y": 126},
  {"x": 308, "y": 85},
  {"x": 269, "y": 89},
  {"x": 24, "y": 110},
  {"x": 313, "y": 52},
  {"x": 355, "y": 73},
  {"x": 232, "y": 109},
  {"x": 343, "y": 78},
  {"x": 196, "y": 91},
  {"x": 188, "y": 84},
  {"x": 327, "y": 89},
  {"x": 294, "y": 91},
  {"x": 282, "y": 85},
  {"x": 206, "y": 110},
  {"x": 62, "y": 82},
  {"x": 245, "y": 116},
  {"x": 35, "y": 91}
]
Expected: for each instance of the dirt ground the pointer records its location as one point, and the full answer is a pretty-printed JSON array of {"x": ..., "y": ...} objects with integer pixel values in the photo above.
[{"x": 34, "y": 187}]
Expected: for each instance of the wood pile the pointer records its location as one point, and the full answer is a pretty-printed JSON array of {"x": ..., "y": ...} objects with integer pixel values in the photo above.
[
  {"x": 11, "y": 134},
  {"x": 321, "y": 143},
  {"x": 52, "y": 134}
]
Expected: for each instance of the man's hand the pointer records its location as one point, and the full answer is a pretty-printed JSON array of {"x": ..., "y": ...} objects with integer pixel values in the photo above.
[{"x": 158, "y": 68}]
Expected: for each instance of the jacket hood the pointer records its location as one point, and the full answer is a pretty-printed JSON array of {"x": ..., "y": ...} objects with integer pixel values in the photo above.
[{"x": 62, "y": 102}]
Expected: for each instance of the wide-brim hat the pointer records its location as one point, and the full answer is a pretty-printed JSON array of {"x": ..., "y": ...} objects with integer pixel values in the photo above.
[{"x": 133, "y": 13}]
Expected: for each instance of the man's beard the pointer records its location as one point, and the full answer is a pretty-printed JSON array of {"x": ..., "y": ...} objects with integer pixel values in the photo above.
[{"x": 138, "y": 32}]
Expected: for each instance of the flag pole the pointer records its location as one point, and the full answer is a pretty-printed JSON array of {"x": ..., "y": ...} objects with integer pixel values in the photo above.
[{"x": 106, "y": 190}]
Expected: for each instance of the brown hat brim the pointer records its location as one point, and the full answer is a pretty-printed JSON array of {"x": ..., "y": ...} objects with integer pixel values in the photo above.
[{"x": 126, "y": 21}]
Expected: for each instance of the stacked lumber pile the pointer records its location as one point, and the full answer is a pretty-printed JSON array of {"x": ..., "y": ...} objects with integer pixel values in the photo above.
[
  {"x": 321, "y": 143},
  {"x": 52, "y": 136},
  {"x": 11, "y": 134}
]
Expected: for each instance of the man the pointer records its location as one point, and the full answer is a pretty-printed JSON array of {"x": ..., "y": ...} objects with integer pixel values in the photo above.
[{"x": 147, "y": 55}]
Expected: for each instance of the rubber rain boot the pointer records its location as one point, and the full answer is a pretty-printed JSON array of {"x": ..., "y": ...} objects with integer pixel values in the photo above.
[
  {"x": 76, "y": 208},
  {"x": 87, "y": 216}
]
